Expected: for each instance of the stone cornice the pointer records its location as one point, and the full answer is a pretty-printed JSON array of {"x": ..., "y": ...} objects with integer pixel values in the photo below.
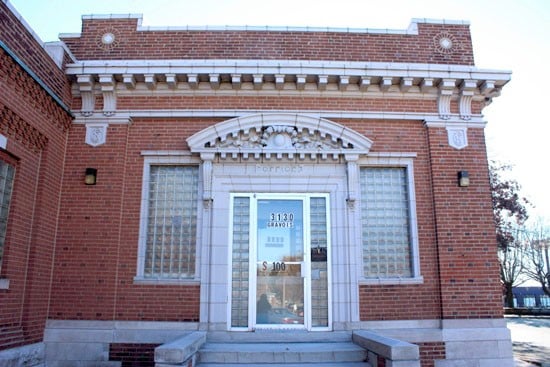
[
  {"x": 348, "y": 79},
  {"x": 287, "y": 67}
]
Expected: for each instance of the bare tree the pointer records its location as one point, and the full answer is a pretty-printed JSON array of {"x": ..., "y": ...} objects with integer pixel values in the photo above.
[
  {"x": 510, "y": 214},
  {"x": 512, "y": 268},
  {"x": 538, "y": 253}
]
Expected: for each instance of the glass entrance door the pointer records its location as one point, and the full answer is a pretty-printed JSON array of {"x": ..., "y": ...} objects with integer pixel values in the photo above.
[
  {"x": 280, "y": 262},
  {"x": 280, "y": 267}
]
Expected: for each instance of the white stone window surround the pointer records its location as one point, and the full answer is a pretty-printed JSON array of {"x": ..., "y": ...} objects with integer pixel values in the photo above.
[
  {"x": 237, "y": 177},
  {"x": 394, "y": 160},
  {"x": 277, "y": 167},
  {"x": 166, "y": 158}
]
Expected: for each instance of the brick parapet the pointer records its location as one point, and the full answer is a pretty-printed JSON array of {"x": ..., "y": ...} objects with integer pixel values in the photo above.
[
  {"x": 131, "y": 42},
  {"x": 25, "y": 46}
]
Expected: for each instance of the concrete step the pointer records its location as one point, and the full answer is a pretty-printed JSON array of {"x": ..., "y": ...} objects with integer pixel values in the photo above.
[
  {"x": 285, "y": 336},
  {"x": 286, "y": 354}
]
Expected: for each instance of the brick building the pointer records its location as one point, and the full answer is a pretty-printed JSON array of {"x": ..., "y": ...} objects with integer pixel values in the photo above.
[{"x": 159, "y": 182}]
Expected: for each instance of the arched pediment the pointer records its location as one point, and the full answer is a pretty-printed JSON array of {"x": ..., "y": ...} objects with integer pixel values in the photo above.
[{"x": 278, "y": 135}]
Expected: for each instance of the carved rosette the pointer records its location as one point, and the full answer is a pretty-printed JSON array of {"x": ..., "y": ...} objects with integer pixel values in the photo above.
[
  {"x": 445, "y": 43},
  {"x": 109, "y": 39}
]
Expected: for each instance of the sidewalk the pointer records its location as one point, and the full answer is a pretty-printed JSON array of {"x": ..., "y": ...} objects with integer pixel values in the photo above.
[{"x": 531, "y": 340}]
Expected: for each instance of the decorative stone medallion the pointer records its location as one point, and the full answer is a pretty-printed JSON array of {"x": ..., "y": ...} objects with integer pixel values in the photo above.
[
  {"x": 445, "y": 43},
  {"x": 96, "y": 134},
  {"x": 108, "y": 40}
]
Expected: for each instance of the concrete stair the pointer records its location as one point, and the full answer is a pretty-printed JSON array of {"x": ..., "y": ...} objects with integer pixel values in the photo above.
[{"x": 290, "y": 349}]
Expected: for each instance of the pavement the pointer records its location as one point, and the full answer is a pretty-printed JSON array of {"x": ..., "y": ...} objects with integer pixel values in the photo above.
[{"x": 531, "y": 340}]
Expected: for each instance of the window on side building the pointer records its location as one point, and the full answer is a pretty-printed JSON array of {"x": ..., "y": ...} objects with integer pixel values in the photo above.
[
  {"x": 7, "y": 174},
  {"x": 168, "y": 234},
  {"x": 388, "y": 219}
]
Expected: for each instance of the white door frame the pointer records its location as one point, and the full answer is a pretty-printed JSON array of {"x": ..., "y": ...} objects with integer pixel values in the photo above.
[{"x": 306, "y": 264}]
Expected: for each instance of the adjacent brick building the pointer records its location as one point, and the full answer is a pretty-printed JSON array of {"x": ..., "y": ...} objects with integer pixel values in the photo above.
[{"x": 323, "y": 169}]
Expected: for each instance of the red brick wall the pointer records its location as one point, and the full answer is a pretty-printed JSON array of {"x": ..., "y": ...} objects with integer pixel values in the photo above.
[
  {"x": 277, "y": 103},
  {"x": 468, "y": 265},
  {"x": 339, "y": 46},
  {"x": 101, "y": 224},
  {"x": 107, "y": 230},
  {"x": 36, "y": 128},
  {"x": 431, "y": 352},
  {"x": 99, "y": 228},
  {"x": 133, "y": 355},
  {"x": 401, "y": 302}
]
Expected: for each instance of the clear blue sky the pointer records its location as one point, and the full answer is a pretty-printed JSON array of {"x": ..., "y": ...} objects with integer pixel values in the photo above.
[{"x": 507, "y": 34}]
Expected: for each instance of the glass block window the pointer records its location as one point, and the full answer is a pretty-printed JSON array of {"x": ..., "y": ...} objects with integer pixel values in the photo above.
[
  {"x": 319, "y": 265},
  {"x": 7, "y": 173},
  {"x": 240, "y": 262},
  {"x": 171, "y": 229},
  {"x": 385, "y": 217}
]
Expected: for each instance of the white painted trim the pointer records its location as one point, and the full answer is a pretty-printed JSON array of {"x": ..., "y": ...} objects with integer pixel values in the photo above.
[
  {"x": 454, "y": 121},
  {"x": 164, "y": 153},
  {"x": 111, "y": 16},
  {"x": 53, "y": 48},
  {"x": 160, "y": 281},
  {"x": 120, "y": 118},
  {"x": 392, "y": 281},
  {"x": 430, "y": 119},
  {"x": 307, "y": 67},
  {"x": 441, "y": 21}
]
